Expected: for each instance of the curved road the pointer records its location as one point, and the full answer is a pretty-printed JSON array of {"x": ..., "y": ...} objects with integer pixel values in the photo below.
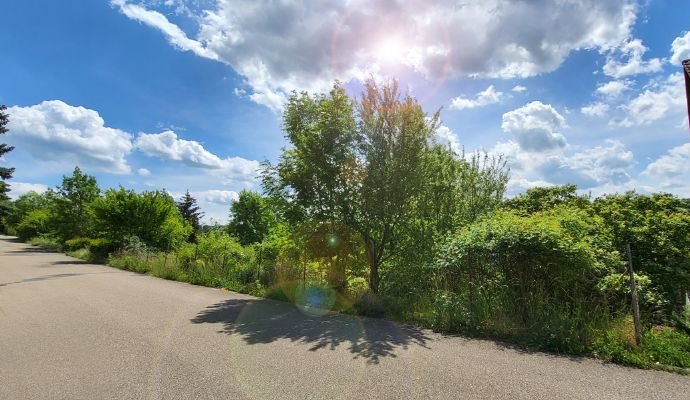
[{"x": 70, "y": 330}]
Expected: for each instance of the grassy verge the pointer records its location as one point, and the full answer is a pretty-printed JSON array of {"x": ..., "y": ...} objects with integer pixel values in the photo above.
[{"x": 661, "y": 347}]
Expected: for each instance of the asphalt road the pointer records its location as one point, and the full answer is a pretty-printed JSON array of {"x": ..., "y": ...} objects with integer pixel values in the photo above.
[{"x": 70, "y": 330}]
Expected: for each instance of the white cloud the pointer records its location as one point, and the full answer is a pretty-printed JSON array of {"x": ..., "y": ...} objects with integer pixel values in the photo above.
[
  {"x": 143, "y": 172},
  {"x": 590, "y": 168},
  {"x": 446, "y": 137},
  {"x": 680, "y": 49},
  {"x": 19, "y": 188},
  {"x": 487, "y": 96},
  {"x": 155, "y": 19},
  {"x": 671, "y": 172},
  {"x": 613, "y": 89},
  {"x": 224, "y": 197},
  {"x": 597, "y": 109},
  {"x": 632, "y": 64},
  {"x": 166, "y": 145},
  {"x": 215, "y": 204},
  {"x": 518, "y": 88},
  {"x": 283, "y": 46},
  {"x": 536, "y": 127},
  {"x": 56, "y": 131},
  {"x": 659, "y": 100}
]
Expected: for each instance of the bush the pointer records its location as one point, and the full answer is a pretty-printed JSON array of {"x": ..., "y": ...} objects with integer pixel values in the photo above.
[
  {"x": 660, "y": 346},
  {"x": 533, "y": 278},
  {"x": 46, "y": 242},
  {"x": 681, "y": 320},
  {"x": 34, "y": 224}
]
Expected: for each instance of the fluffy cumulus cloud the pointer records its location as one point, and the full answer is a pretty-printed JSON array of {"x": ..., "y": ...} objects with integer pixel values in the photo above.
[
  {"x": 484, "y": 98},
  {"x": 167, "y": 146},
  {"x": 56, "y": 131},
  {"x": 19, "y": 188},
  {"x": 628, "y": 60},
  {"x": 671, "y": 171},
  {"x": 536, "y": 127},
  {"x": 607, "y": 165},
  {"x": 660, "y": 100},
  {"x": 613, "y": 89},
  {"x": 297, "y": 45},
  {"x": 680, "y": 49},
  {"x": 518, "y": 88},
  {"x": 597, "y": 109},
  {"x": 445, "y": 136}
]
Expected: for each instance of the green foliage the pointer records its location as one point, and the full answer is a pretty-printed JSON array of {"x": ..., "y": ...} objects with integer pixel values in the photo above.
[
  {"x": 681, "y": 320},
  {"x": 250, "y": 218},
  {"x": 26, "y": 203},
  {"x": 370, "y": 165},
  {"x": 191, "y": 213},
  {"x": 659, "y": 347},
  {"x": 657, "y": 229},
  {"x": 33, "y": 224},
  {"x": 46, "y": 242},
  {"x": 5, "y": 173},
  {"x": 534, "y": 278},
  {"x": 545, "y": 198},
  {"x": 71, "y": 206},
  {"x": 152, "y": 217}
]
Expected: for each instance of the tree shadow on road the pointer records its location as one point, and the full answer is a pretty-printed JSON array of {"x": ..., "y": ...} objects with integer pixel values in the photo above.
[
  {"x": 49, "y": 277},
  {"x": 264, "y": 321}
]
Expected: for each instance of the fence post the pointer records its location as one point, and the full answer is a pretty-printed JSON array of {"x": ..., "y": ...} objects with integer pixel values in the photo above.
[{"x": 635, "y": 303}]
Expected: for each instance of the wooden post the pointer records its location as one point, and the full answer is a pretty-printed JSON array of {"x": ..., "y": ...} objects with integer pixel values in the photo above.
[{"x": 635, "y": 303}]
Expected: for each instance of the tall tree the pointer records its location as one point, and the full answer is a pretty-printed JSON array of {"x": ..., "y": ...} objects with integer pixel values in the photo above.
[
  {"x": 372, "y": 166},
  {"x": 152, "y": 217},
  {"x": 5, "y": 173},
  {"x": 72, "y": 205},
  {"x": 191, "y": 212},
  {"x": 356, "y": 163},
  {"x": 250, "y": 218}
]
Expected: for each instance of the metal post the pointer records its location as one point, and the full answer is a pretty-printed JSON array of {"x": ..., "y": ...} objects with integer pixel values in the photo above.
[{"x": 635, "y": 304}]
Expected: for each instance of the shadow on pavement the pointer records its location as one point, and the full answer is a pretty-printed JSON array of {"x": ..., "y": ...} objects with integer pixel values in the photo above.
[
  {"x": 265, "y": 321},
  {"x": 70, "y": 262},
  {"x": 49, "y": 277}
]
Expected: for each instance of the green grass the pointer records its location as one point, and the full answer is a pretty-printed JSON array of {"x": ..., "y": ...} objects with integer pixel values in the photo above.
[
  {"x": 660, "y": 346},
  {"x": 46, "y": 242}
]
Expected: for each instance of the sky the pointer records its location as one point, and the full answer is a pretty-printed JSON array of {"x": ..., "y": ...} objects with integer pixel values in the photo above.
[{"x": 188, "y": 94}]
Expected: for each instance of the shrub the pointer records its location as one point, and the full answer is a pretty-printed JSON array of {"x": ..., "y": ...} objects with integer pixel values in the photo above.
[
  {"x": 660, "y": 346},
  {"x": 46, "y": 242},
  {"x": 533, "y": 278},
  {"x": 33, "y": 224}
]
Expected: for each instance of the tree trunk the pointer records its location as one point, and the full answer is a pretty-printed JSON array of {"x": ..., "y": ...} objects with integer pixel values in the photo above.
[{"x": 373, "y": 257}]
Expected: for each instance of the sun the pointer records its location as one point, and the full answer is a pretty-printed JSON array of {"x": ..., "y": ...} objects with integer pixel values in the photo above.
[{"x": 389, "y": 51}]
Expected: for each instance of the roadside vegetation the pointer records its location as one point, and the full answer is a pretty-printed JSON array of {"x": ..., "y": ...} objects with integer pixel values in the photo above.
[{"x": 364, "y": 213}]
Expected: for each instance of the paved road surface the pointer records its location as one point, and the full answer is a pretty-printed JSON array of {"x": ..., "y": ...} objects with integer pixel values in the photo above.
[{"x": 70, "y": 330}]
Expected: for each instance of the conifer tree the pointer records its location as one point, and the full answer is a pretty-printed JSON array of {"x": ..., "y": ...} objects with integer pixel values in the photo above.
[
  {"x": 191, "y": 212},
  {"x": 5, "y": 173}
]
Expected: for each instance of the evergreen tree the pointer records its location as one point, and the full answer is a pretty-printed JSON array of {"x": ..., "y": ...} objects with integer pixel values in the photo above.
[
  {"x": 5, "y": 173},
  {"x": 191, "y": 212}
]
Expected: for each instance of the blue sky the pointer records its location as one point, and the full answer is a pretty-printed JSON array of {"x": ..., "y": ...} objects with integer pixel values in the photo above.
[{"x": 187, "y": 94}]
